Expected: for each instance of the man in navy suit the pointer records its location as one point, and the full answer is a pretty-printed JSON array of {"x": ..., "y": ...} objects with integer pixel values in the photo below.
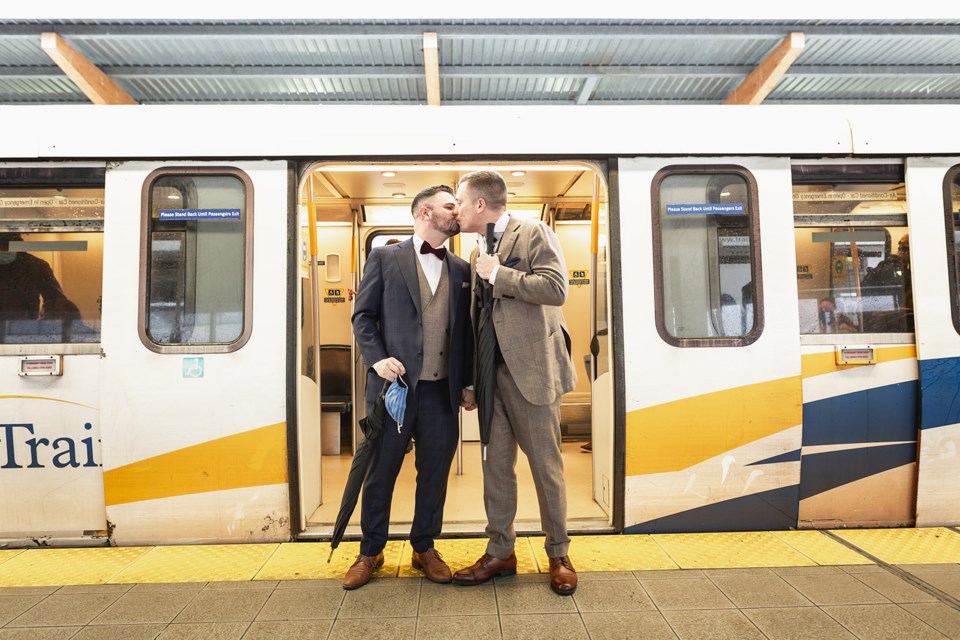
[{"x": 412, "y": 319}]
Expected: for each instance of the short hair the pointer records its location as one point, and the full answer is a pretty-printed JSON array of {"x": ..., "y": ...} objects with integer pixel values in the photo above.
[
  {"x": 488, "y": 185},
  {"x": 429, "y": 192}
]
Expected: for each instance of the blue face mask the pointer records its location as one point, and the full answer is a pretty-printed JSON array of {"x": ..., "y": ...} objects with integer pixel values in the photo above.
[{"x": 396, "y": 401}]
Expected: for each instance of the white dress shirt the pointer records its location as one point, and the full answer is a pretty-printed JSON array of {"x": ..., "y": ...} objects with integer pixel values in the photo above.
[{"x": 432, "y": 265}]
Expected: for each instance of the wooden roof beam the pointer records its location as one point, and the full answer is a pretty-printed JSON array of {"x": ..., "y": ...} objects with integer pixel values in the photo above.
[
  {"x": 93, "y": 82},
  {"x": 761, "y": 81},
  {"x": 431, "y": 67}
]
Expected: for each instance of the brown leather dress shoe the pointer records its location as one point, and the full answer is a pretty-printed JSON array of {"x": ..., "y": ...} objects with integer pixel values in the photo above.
[
  {"x": 432, "y": 566},
  {"x": 563, "y": 577},
  {"x": 362, "y": 570},
  {"x": 485, "y": 568}
]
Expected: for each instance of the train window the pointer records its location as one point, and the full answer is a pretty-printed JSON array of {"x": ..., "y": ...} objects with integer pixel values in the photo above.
[
  {"x": 51, "y": 264},
  {"x": 853, "y": 268},
  {"x": 198, "y": 251},
  {"x": 381, "y": 238},
  {"x": 706, "y": 256},
  {"x": 952, "y": 210}
]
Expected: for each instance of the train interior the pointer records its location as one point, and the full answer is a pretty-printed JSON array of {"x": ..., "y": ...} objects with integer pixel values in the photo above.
[{"x": 360, "y": 207}]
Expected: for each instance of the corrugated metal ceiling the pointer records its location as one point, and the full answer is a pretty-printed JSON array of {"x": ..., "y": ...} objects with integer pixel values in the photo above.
[{"x": 485, "y": 61}]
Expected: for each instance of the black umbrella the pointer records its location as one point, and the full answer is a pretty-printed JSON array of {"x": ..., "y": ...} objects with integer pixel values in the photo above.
[
  {"x": 372, "y": 427},
  {"x": 486, "y": 347}
]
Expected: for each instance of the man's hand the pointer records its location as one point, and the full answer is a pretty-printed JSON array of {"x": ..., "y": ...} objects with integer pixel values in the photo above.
[
  {"x": 486, "y": 264},
  {"x": 389, "y": 368},
  {"x": 468, "y": 399}
]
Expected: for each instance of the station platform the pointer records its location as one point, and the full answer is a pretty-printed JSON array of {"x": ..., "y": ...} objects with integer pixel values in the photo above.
[{"x": 869, "y": 584}]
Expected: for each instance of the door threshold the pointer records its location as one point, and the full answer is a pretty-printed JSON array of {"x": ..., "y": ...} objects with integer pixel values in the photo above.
[{"x": 316, "y": 532}]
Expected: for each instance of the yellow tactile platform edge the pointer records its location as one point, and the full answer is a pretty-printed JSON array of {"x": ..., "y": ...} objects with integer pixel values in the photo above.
[
  {"x": 307, "y": 560},
  {"x": 41, "y": 567},
  {"x": 820, "y": 548},
  {"x": 730, "y": 550},
  {"x": 907, "y": 546},
  {"x": 610, "y": 553},
  {"x": 6, "y": 554}
]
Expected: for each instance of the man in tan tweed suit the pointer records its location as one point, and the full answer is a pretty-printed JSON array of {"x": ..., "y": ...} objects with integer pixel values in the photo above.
[{"x": 533, "y": 372}]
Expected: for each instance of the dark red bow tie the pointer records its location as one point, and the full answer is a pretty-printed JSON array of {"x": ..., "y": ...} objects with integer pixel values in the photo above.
[{"x": 440, "y": 252}]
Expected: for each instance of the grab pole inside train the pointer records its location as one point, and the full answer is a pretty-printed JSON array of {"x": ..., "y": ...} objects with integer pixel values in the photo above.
[
  {"x": 594, "y": 249},
  {"x": 315, "y": 306}
]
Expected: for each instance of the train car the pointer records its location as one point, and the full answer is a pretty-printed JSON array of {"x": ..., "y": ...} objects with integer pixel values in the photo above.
[{"x": 763, "y": 304}]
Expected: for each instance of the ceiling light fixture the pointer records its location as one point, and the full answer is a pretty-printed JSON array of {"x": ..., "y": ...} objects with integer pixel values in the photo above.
[
  {"x": 518, "y": 174},
  {"x": 388, "y": 174},
  {"x": 398, "y": 195}
]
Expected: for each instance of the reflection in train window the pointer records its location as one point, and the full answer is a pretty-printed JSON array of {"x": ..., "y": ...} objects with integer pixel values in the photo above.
[
  {"x": 51, "y": 265},
  {"x": 853, "y": 264},
  {"x": 706, "y": 256},
  {"x": 198, "y": 255}
]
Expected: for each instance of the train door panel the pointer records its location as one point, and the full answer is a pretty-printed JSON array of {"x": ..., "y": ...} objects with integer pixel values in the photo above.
[
  {"x": 585, "y": 413},
  {"x": 325, "y": 382},
  {"x": 51, "y": 265},
  {"x": 194, "y": 340},
  {"x": 933, "y": 194},
  {"x": 711, "y": 360},
  {"x": 858, "y": 464}
]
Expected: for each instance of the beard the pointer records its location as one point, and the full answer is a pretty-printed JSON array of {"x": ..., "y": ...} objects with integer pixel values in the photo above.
[{"x": 447, "y": 226}]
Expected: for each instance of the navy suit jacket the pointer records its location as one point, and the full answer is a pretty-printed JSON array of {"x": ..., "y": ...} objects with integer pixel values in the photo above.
[{"x": 386, "y": 318}]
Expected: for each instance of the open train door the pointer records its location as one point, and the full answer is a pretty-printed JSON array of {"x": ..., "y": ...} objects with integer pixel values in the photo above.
[
  {"x": 711, "y": 356},
  {"x": 599, "y": 371},
  {"x": 195, "y": 374},
  {"x": 933, "y": 197}
]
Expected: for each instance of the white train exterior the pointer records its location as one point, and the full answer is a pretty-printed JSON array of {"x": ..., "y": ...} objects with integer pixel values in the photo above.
[{"x": 130, "y": 439}]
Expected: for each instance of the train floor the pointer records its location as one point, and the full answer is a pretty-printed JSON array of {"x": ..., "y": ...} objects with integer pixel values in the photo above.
[
  {"x": 463, "y": 511},
  {"x": 869, "y": 584}
]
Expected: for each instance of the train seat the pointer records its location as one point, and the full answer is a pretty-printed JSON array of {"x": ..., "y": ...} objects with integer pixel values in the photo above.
[
  {"x": 336, "y": 379},
  {"x": 336, "y": 404}
]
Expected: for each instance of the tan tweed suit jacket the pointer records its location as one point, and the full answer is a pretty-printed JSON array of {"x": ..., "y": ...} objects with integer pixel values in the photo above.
[{"x": 531, "y": 331}]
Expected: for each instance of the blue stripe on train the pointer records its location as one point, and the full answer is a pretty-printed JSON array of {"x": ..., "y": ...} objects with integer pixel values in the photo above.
[
  {"x": 881, "y": 414},
  {"x": 820, "y": 472},
  {"x": 765, "y": 511},
  {"x": 939, "y": 384},
  {"x": 789, "y": 456}
]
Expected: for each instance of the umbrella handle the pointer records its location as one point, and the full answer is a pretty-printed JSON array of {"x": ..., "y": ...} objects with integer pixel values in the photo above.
[{"x": 491, "y": 238}]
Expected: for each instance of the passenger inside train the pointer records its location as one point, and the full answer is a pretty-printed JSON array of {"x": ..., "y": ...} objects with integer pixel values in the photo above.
[
  {"x": 33, "y": 307},
  {"x": 890, "y": 279}
]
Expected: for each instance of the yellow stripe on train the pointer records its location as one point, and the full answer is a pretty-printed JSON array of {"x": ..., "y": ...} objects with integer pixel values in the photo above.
[
  {"x": 248, "y": 459},
  {"x": 679, "y": 434},
  {"x": 818, "y": 364}
]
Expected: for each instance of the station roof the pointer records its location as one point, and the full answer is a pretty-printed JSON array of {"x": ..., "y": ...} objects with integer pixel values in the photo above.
[{"x": 481, "y": 61}]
